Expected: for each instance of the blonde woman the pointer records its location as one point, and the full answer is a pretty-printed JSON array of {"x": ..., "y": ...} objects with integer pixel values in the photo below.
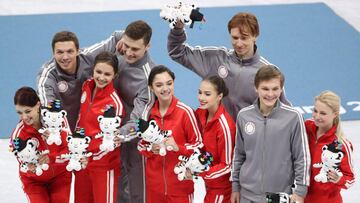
[{"x": 325, "y": 136}]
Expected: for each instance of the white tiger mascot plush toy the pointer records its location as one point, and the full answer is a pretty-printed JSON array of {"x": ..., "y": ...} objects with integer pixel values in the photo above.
[
  {"x": 331, "y": 157},
  {"x": 54, "y": 122},
  {"x": 27, "y": 153},
  {"x": 186, "y": 13},
  {"x": 150, "y": 132},
  {"x": 77, "y": 144},
  {"x": 198, "y": 162},
  {"x": 109, "y": 124}
]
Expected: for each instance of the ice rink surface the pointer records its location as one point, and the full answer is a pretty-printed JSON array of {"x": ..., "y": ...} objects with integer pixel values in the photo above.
[{"x": 11, "y": 191}]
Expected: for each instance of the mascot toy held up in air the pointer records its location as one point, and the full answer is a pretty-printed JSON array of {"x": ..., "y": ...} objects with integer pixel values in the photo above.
[{"x": 186, "y": 13}]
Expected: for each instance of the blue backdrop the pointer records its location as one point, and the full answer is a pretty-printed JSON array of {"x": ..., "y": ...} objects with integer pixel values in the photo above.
[{"x": 314, "y": 47}]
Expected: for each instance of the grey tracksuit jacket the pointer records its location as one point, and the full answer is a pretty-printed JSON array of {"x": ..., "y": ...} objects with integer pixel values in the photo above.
[
  {"x": 53, "y": 83},
  {"x": 237, "y": 73},
  {"x": 131, "y": 85},
  {"x": 271, "y": 153}
]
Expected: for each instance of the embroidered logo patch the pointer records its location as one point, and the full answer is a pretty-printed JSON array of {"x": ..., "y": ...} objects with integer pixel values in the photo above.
[
  {"x": 223, "y": 71},
  {"x": 250, "y": 128},
  {"x": 83, "y": 97},
  {"x": 63, "y": 86}
]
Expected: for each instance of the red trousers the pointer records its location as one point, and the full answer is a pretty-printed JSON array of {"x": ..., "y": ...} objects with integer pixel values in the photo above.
[
  {"x": 96, "y": 186},
  {"x": 56, "y": 190},
  {"x": 152, "y": 197},
  {"x": 217, "y": 195}
]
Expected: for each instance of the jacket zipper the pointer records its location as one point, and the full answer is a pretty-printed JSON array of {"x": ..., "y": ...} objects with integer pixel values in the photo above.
[
  {"x": 90, "y": 104},
  {"x": 164, "y": 162},
  {"x": 263, "y": 159},
  {"x": 51, "y": 166}
]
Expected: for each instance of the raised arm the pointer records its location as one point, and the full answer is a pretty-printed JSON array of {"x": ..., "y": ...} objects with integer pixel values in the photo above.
[
  {"x": 198, "y": 59},
  {"x": 108, "y": 44},
  {"x": 143, "y": 103}
]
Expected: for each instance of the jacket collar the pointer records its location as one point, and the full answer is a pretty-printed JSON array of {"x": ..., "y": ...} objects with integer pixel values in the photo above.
[
  {"x": 100, "y": 93},
  {"x": 141, "y": 61},
  {"x": 203, "y": 114},
  {"x": 156, "y": 112},
  {"x": 257, "y": 107},
  {"x": 246, "y": 62},
  {"x": 28, "y": 129},
  {"x": 327, "y": 137},
  {"x": 64, "y": 74}
]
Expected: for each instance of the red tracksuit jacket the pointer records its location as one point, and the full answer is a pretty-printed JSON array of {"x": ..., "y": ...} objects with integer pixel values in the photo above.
[
  {"x": 218, "y": 136},
  {"x": 327, "y": 192},
  {"x": 160, "y": 176},
  {"x": 56, "y": 165},
  {"x": 89, "y": 111}
]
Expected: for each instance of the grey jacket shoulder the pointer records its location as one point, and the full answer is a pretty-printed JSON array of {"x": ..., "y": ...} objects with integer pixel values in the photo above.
[{"x": 131, "y": 85}]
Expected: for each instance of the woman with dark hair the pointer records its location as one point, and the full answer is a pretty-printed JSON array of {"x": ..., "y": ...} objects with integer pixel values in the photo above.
[
  {"x": 218, "y": 134},
  {"x": 100, "y": 103},
  {"x": 53, "y": 184},
  {"x": 162, "y": 184}
]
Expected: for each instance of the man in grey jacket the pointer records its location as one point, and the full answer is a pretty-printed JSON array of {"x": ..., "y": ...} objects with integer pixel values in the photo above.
[
  {"x": 62, "y": 77},
  {"x": 135, "y": 65},
  {"x": 271, "y": 151},
  {"x": 236, "y": 66}
]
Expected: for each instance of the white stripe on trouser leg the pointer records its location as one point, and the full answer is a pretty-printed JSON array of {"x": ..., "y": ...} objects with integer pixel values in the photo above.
[
  {"x": 72, "y": 188},
  {"x": 219, "y": 198},
  {"x": 110, "y": 186},
  {"x": 28, "y": 198},
  {"x": 107, "y": 187},
  {"x": 191, "y": 198},
  {"x": 143, "y": 160}
]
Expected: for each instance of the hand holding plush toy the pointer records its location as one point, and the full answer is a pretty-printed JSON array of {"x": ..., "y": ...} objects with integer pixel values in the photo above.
[
  {"x": 150, "y": 132},
  {"x": 187, "y": 14},
  {"x": 198, "y": 162},
  {"x": 109, "y": 124},
  {"x": 77, "y": 145},
  {"x": 54, "y": 122},
  {"x": 331, "y": 157},
  {"x": 27, "y": 153}
]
